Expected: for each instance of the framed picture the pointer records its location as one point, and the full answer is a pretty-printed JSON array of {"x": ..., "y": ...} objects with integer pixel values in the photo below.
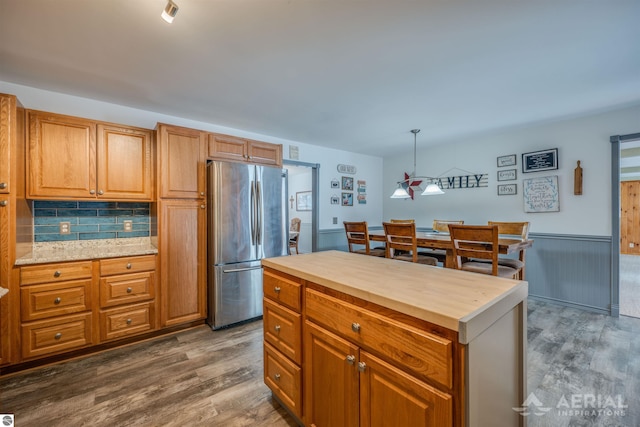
[
  {"x": 509, "y": 160},
  {"x": 335, "y": 183},
  {"x": 507, "y": 175},
  {"x": 347, "y": 183},
  {"x": 303, "y": 201},
  {"x": 335, "y": 200},
  {"x": 507, "y": 189},
  {"x": 540, "y": 160},
  {"x": 347, "y": 199},
  {"x": 541, "y": 194}
]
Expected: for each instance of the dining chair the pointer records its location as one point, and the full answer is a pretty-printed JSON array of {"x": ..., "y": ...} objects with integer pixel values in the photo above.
[
  {"x": 475, "y": 248},
  {"x": 520, "y": 229},
  {"x": 295, "y": 227},
  {"x": 402, "y": 221},
  {"x": 440, "y": 226},
  {"x": 402, "y": 237},
  {"x": 358, "y": 234}
]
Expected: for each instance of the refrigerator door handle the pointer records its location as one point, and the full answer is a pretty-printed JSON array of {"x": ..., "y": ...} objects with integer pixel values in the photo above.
[
  {"x": 259, "y": 212},
  {"x": 253, "y": 213},
  {"x": 236, "y": 270}
]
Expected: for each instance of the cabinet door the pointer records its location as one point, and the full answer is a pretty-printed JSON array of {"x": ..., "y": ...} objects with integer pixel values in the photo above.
[
  {"x": 182, "y": 162},
  {"x": 4, "y": 279},
  {"x": 330, "y": 379},
  {"x": 62, "y": 157},
  {"x": 391, "y": 397},
  {"x": 7, "y": 130},
  {"x": 182, "y": 240},
  {"x": 227, "y": 147},
  {"x": 124, "y": 163},
  {"x": 264, "y": 153}
]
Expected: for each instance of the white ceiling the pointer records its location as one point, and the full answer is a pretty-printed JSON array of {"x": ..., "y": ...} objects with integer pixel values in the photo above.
[{"x": 348, "y": 74}]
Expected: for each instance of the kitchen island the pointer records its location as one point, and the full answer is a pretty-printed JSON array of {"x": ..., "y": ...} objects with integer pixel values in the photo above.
[{"x": 354, "y": 340}]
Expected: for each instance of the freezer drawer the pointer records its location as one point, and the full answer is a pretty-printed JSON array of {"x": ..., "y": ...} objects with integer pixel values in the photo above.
[{"x": 235, "y": 293}]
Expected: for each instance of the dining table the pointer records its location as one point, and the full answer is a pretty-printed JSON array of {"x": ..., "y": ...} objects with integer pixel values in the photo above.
[{"x": 442, "y": 241}]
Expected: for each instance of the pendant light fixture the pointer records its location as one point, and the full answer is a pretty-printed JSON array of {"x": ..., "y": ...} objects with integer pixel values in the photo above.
[
  {"x": 401, "y": 192},
  {"x": 169, "y": 12}
]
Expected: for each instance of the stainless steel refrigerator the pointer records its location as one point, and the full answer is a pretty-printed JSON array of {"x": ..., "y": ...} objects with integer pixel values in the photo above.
[{"x": 247, "y": 221}]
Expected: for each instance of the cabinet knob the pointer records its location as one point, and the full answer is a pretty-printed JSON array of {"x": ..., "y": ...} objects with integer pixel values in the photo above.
[
  {"x": 202, "y": 193},
  {"x": 3, "y": 203},
  {"x": 355, "y": 327},
  {"x": 202, "y": 206},
  {"x": 3, "y": 185},
  {"x": 351, "y": 359},
  {"x": 276, "y": 289},
  {"x": 57, "y": 336},
  {"x": 57, "y": 301},
  {"x": 100, "y": 192},
  {"x": 129, "y": 290},
  {"x": 362, "y": 366},
  {"x": 128, "y": 266},
  {"x": 57, "y": 273},
  {"x": 277, "y": 328},
  {"x": 277, "y": 377},
  {"x": 128, "y": 321},
  {"x": 92, "y": 191}
]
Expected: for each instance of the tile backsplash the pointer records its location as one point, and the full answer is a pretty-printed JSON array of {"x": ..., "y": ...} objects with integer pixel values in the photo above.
[{"x": 89, "y": 220}]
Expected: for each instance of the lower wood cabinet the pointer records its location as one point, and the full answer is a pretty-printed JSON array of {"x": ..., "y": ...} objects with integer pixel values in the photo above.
[{"x": 56, "y": 335}]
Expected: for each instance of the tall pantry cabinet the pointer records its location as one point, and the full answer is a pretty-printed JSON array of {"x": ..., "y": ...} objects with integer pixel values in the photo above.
[
  {"x": 181, "y": 213},
  {"x": 14, "y": 225}
]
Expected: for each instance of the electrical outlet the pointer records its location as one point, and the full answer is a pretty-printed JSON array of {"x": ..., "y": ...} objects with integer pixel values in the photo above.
[
  {"x": 335, "y": 219},
  {"x": 128, "y": 225},
  {"x": 65, "y": 227}
]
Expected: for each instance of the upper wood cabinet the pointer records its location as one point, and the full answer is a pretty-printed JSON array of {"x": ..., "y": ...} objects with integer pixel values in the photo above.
[
  {"x": 244, "y": 150},
  {"x": 181, "y": 162},
  {"x": 75, "y": 158}
]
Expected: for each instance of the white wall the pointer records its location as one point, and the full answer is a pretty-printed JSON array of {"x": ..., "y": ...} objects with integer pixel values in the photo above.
[
  {"x": 369, "y": 168},
  {"x": 585, "y": 139}
]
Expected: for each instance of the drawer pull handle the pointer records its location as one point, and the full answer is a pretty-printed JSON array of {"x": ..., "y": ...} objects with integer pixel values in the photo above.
[
  {"x": 128, "y": 266},
  {"x": 362, "y": 366},
  {"x": 57, "y": 301},
  {"x": 276, "y": 289},
  {"x": 3, "y": 203},
  {"x": 57, "y": 336},
  {"x": 351, "y": 359},
  {"x": 355, "y": 327},
  {"x": 129, "y": 290},
  {"x": 277, "y": 328},
  {"x": 57, "y": 273},
  {"x": 3, "y": 185},
  {"x": 277, "y": 377},
  {"x": 128, "y": 321}
]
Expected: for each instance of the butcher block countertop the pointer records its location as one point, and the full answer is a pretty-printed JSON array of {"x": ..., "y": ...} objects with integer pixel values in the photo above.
[
  {"x": 81, "y": 250},
  {"x": 461, "y": 301}
]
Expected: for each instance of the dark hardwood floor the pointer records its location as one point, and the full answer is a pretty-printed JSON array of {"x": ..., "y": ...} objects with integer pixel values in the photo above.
[
  {"x": 193, "y": 378},
  {"x": 204, "y": 378}
]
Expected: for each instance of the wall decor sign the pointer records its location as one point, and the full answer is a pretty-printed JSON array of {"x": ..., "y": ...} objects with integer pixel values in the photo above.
[
  {"x": 541, "y": 194},
  {"x": 540, "y": 160},
  {"x": 347, "y": 183},
  {"x": 335, "y": 200},
  {"x": 335, "y": 183},
  {"x": 461, "y": 181},
  {"x": 347, "y": 169},
  {"x": 347, "y": 199},
  {"x": 507, "y": 175},
  {"x": 507, "y": 189},
  {"x": 509, "y": 160},
  {"x": 362, "y": 192},
  {"x": 303, "y": 201}
]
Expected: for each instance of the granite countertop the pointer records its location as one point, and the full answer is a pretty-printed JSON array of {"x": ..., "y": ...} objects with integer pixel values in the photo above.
[{"x": 80, "y": 250}]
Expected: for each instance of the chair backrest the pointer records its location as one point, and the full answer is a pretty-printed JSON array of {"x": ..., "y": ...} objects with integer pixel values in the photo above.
[
  {"x": 512, "y": 228},
  {"x": 357, "y": 234},
  {"x": 401, "y": 236},
  {"x": 442, "y": 225},
  {"x": 475, "y": 241},
  {"x": 402, "y": 221},
  {"x": 295, "y": 224}
]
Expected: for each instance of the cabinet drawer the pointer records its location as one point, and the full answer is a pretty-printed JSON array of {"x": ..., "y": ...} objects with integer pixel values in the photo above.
[
  {"x": 423, "y": 353},
  {"x": 283, "y": 330},
  {"x": 51, "y": 273},
  {"x": 129, "y": 320},
  {"x": 44, "y": 337},
  {"x": 127, "y": 288},
  {"x": 283, "y": 290},
  {"x": 111, "y": 266},
  {"x": 284, "y": 378},
  {"x": 42, "y": 301}
]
